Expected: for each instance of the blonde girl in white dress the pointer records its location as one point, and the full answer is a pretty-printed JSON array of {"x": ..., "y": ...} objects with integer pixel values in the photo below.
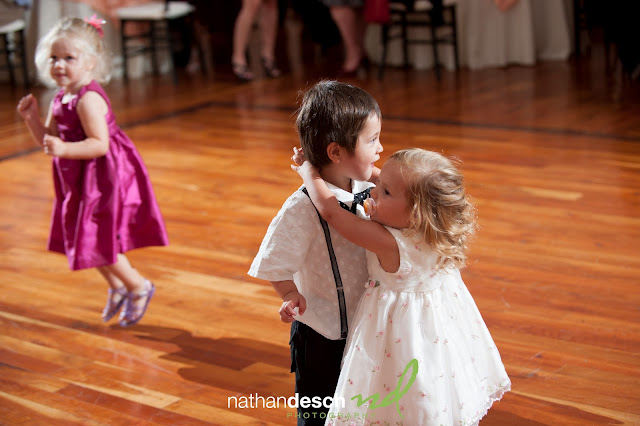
[{"x": 418, "y": 351}]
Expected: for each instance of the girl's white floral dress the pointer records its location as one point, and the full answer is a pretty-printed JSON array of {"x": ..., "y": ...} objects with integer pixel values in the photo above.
[{"x": 417, "y": 314}]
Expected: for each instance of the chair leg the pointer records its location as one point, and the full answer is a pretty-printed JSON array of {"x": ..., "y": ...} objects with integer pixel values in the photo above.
[
  {"x": 23, "y": 60},
  {"x": 154, "y": 50},
  {"x": 123, "y": 40},
  {"x": 169, "y": 43},
  {"x": 383, "y": 59},
  {"x": 8, "y": 50},
  {"x": 434, "y": 46},
  {"x": 405, "y": 41},
  {"x": 454, "y": 36}
]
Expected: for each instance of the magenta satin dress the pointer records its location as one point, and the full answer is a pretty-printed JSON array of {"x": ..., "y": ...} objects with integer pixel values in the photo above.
[{"x": 103, "y": 206}]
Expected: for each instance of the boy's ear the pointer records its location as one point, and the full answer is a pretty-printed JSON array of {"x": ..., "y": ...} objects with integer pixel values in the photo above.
[{"x": 334, "y": 152}]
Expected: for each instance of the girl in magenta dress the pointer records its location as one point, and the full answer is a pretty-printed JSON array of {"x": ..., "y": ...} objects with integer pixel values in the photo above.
[{"x": 104, "y": 203}]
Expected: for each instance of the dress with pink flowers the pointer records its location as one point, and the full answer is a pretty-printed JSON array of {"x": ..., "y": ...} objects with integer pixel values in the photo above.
[
  {"x": 105, "y": 205},
  {"x": 419, "y": 342}
]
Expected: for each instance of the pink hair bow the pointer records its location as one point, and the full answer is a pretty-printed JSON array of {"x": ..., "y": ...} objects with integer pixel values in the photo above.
[{"x": 97, "y": 23}]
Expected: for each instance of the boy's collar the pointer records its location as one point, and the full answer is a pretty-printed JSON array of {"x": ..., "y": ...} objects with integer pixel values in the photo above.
[{"x": 347, "y": 197}]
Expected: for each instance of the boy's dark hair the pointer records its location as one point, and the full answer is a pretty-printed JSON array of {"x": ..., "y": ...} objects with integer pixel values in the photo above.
[{"x": 332, "y": 112}]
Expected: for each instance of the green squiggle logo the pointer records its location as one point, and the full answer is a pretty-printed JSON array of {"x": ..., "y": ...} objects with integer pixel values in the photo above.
[{"x": 394, "y": 395}]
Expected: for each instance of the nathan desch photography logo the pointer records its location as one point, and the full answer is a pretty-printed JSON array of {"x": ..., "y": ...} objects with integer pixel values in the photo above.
[{"x": 294, "y": 402}]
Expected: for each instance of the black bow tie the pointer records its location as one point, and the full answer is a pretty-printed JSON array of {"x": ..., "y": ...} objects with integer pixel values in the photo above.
[{"x": 357, "y": 199}]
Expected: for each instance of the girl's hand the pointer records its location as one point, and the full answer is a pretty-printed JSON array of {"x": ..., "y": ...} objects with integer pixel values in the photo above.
[
  {"x": 302, "y": 166},
  {"x": 298, "y": 157},
  {"x": 28, "y": 107},
  {"x": 53, "y": 146}
]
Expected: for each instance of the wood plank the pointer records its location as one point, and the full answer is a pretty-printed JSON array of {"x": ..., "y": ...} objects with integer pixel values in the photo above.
[{"x": 552, "y": 164}]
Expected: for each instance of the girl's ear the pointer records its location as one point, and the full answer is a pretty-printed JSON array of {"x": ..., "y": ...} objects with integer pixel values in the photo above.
[
  {"x": 91, "y": 62},
  {"x": 334, "y": 152}
]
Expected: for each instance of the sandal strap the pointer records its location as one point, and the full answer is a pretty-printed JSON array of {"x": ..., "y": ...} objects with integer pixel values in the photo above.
[
  {"x": 137, "y": 295},
  {"x": 122, "y": 291}
]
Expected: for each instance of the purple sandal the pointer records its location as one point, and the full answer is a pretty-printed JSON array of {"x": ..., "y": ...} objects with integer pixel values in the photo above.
[
  {"x": 133, "y": 312},
  {"x": 112, "y": 307}
]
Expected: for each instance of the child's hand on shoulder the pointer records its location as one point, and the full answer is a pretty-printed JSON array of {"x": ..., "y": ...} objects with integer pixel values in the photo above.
[
  {"x": 292, "y": 300},
  {"x": 301, "y": 165}
]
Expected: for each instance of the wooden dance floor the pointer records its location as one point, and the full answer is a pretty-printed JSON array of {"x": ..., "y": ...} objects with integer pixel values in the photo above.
[{"x": 551, "y": 160}]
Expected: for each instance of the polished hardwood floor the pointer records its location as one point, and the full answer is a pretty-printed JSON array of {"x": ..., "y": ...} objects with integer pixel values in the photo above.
[{"x": 551, "y": 156}]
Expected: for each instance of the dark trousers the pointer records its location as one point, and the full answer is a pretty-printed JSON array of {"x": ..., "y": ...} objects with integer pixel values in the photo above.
[{"x": 316, "y": 362}]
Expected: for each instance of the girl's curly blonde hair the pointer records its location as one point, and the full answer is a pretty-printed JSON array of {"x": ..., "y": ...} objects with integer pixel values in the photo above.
[
  {"x": 441, "y": 214},
  {"x": 86, "y": 37}
]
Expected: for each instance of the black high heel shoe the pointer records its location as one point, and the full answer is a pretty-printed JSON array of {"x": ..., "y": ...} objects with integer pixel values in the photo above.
[
  {"x": 242, "y": 72},
  {"x": 358, "y": 71},
  {"x": 270, "y": 68}
]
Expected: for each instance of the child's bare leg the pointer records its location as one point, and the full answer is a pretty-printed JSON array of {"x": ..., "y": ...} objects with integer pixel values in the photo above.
[
  {"x": 140, "y": 290},
  {"x": 114, "y": 282},
  {"x": 117, "y": 294},
  {"x": 126, "y": 274}
]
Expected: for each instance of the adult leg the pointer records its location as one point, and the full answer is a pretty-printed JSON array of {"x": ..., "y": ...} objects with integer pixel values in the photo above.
[
  {"x": 241, "y": 32},
  {"x": 269, "y": 32},
  {"x": 351, "y": 24}
]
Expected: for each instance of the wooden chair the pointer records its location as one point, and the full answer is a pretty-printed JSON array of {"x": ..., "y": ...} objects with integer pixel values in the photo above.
[
  {"x": 434, "y": 14},
  {"x": 156, "y": 16},
  {"x": 13, "y": 47}
]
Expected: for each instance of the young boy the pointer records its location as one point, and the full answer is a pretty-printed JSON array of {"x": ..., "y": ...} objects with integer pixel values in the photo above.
[{"x": 339, "y": 129}]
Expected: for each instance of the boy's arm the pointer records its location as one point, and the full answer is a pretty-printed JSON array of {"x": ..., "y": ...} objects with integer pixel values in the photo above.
[
  {"x": 365, "y": 233},
  {"x": 292, "y": 299}
]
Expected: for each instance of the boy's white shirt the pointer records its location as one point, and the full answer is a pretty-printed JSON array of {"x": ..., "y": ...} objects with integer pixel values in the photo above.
[{"x": 294, "y": 248}]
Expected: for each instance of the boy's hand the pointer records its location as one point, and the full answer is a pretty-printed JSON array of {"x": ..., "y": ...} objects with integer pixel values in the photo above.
[
  {"x": 28, "y": 107},
  {"x": 292, "y": 300}
]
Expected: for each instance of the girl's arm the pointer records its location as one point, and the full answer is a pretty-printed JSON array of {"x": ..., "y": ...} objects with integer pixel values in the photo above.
[
  {"x": 375, "y": 176},
  {"x": 92, "y": 109},
  {"x": 367, "y": 234},
  {"x": 30, "y": 113}
]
